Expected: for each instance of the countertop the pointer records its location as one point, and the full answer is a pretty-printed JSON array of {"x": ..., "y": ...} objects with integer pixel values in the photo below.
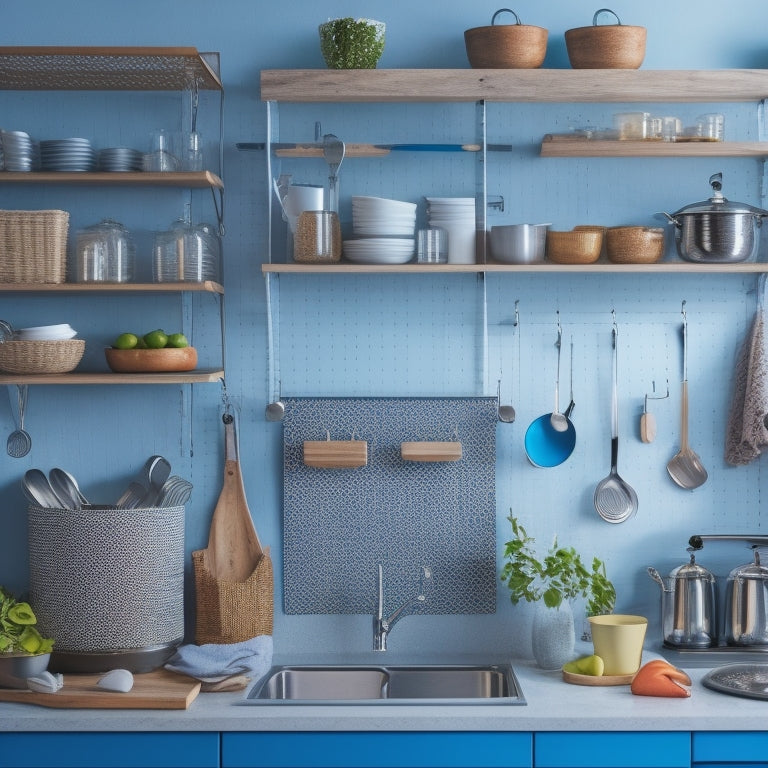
[{"x": 552, "y": 705}]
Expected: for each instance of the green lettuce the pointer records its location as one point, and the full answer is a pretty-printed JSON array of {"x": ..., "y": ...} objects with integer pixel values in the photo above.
[{"x": 17, "y": 631}]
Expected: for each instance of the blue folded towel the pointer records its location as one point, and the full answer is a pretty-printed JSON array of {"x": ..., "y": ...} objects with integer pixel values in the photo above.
[{"x": 214, "y": 662}]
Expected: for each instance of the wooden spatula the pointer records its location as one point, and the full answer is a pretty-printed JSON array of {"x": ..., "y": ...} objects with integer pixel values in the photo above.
[{"x": 233, "y": 546}]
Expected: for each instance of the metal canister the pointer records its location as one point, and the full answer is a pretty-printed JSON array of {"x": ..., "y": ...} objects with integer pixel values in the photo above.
[
  {"x": 746, "y": 611},
  {"x": 688, "y": 606}
]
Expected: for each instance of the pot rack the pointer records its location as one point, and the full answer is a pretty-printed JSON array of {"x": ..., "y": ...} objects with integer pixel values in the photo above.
[{"x": 696, "y": 542}]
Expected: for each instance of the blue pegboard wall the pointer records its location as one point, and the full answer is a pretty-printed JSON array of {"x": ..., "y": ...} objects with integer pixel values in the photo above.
[{"x": 339, "y": 524}]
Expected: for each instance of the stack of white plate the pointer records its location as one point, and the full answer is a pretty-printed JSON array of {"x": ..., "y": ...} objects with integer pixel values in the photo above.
[
  {"x": 120, "y": 159},
  {"x": 380, "y": 250},
  {"x": 456, "y": 215},
  {"x": 379, "y": 217},
  {"x": 59, "y": 332},
  {"x": 385, "y": 231},
  {"x": 67, "y": 155},
  {"x": 18, "y": 151}
]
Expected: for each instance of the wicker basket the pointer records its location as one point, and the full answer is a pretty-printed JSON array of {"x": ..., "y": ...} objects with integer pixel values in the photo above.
[
  {"x": 610, "y": 46},
  {"x": 34, "y": 246},
  {"x": 28, "y": 357},
  {"x": 634, "y": 245},
  {"x": 574, "y": 247},
  {"x": 508, "y": 46}
]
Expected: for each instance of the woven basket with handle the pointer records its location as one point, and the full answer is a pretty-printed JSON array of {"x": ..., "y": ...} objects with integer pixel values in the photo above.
[
  {"x": 506, "y": 46},
  {"x": 606, "y": 46}
]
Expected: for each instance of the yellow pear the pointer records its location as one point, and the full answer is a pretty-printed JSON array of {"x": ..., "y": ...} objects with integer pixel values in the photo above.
[{"x": 586, "y": 665}]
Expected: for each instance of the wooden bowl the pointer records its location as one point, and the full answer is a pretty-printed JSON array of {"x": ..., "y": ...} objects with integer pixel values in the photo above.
[{"x": 166, "y": 360}]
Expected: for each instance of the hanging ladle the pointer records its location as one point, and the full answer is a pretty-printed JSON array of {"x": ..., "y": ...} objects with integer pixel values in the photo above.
[
  {"x": 333, "y": 153},
  {"x": 19, "y": 441},
  {"x": 615, "y": 500},
  {"x": 685, "y": 467},
  {"x": 558, "y": 420}
]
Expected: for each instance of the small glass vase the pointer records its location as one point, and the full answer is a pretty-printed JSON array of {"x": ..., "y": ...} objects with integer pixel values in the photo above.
[{"x": 554, "y": 636}]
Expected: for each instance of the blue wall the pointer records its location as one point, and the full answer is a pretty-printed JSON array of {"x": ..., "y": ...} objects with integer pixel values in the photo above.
[{"x": 403, "y": 336}]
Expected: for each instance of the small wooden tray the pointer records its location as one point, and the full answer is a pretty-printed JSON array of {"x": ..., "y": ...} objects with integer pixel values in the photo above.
[
  {"x": 431, "y": 451},
  {"x": 335, "y": 454},
  {"x": 575, "y": 679}
]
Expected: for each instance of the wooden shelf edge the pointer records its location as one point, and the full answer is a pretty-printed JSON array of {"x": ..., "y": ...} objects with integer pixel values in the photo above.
[
  {"x": 207, "y": 286},
  {"x": 205, "y": 376},
  {"x": 523, "y": 85},
  {"x": 563, "y": 147},
  {"x": 667, "y": 267},
  {"x": 181, "y": 179}
]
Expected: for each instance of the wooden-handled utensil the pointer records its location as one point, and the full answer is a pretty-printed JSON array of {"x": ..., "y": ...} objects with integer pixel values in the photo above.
[{"x": 234, "y": 548}]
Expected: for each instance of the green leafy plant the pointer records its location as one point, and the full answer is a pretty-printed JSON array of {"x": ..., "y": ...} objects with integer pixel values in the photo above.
[
  {"x": 352, "y": 43},
  {"x": 560, "y": 575},
  {"x": 17, "y": 627}
]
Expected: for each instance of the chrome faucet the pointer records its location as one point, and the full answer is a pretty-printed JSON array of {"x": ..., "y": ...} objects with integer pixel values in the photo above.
[{"x": 381, "y": 626}]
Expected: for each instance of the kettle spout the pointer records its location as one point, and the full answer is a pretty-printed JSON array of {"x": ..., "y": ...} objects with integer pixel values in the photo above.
[{"x": 669, "y": 217}]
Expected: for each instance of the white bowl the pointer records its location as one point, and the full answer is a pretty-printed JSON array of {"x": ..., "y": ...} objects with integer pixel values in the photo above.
[{"x": 15, "y": 668}]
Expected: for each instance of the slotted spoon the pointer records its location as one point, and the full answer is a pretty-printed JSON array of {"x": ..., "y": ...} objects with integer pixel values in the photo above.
[{"x": 19, "y": 441}]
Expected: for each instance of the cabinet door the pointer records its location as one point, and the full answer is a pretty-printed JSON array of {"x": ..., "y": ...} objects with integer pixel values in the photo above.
[
  {"x": 713, "y": 749},
  {"x": 109, "y": 750},
  {"x": 612, "y": 750},
  {"x": 376, "y": 750}
]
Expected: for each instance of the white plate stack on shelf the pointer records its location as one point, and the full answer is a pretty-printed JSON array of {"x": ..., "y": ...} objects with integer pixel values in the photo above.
[
  {"x": 18, "y": 151},
  {"x": 59, "y": 332},
  {"x": 384, "y": 231},
  {"x": 456, "y": 215}
]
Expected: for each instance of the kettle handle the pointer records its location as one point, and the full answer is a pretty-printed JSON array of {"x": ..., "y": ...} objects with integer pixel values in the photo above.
[{"x": 656, "y": 576}]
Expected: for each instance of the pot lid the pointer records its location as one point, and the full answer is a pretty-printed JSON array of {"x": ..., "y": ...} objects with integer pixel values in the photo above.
[
  {"x": 718, "y": 203},
  {"x": 753, "y": 570},
  {"x": 691, "y": 570}
]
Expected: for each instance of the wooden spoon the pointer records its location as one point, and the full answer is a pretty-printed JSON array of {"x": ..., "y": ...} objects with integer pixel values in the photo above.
[{"x": 233, "y": 546}]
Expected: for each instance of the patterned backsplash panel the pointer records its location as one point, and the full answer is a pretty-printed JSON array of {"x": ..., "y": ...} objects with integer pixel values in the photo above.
[{"x": 339, "y": 524}]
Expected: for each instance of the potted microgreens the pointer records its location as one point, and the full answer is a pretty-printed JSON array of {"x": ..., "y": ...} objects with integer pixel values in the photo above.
[
  {"x": 24, "y": 652},
  {"x": 349, "y": 43},
  {"x": 552, "y": 583}
]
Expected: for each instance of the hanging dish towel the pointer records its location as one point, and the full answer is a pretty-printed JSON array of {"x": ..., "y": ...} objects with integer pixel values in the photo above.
[{"x": 747, "y": 434}]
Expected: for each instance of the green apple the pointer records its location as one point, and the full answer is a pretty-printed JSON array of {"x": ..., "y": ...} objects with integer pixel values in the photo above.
[{"x": 586, "y": 665}]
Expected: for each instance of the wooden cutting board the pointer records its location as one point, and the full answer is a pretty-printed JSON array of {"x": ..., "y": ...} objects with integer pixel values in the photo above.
[{"x": 160, "y": 689}]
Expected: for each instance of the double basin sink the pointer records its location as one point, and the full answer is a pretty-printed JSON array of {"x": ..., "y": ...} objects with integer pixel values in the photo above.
[{"x": 385, "y": 684}]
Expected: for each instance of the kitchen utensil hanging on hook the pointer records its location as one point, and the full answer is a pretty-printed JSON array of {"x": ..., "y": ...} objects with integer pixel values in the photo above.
[
  {"x": 19, "y": 441},
  {"x": 685, "y": 467},
  {"x": 545, "y": 446},
  {"x": 558, "y": 419},
  {"x": 647, "y": 419},
  {"x": 507, "y": 412},
  {"x": 333, "y": 152},
  {"x": 615, "y": 500},
  {"x": 275, "y": 410}
]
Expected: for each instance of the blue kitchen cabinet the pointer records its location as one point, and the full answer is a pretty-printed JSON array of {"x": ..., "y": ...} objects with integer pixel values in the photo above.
[
  {"x": 109, "y": 750},
  {"x": 377, "y": 750},
  {"x": 715, "y": 749},
  {"x": 657, "y": 749}
]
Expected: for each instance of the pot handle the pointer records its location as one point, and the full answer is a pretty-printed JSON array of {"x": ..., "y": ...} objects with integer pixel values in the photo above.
[
  {"x": 505, "y": 10},
  {"x": 605, "y": 10},
  {"x": 672, "y": 219}
]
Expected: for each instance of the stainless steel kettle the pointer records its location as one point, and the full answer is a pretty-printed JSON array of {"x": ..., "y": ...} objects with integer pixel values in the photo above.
[
  {"x": 688, "y": 606},
  {"x": 746, "y": 607}
]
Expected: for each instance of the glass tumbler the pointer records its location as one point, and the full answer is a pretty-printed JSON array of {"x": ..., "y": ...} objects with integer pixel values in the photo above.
[
  {"x": 711, "y": 127},
  {"x": 317, "y": 238},
  {"x": 432, "y": 246}
]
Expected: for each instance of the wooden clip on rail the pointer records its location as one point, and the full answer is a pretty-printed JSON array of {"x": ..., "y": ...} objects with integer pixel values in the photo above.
[
  {"x": 431, "y": 451},
  {"x": 335, "y": 454}
]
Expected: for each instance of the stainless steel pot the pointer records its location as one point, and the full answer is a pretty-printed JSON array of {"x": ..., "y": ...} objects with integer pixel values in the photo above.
[
  {"x": 746, "y": 608},
  {"x": 717, "y": 231},
  {"x": 688, "y": 606}
]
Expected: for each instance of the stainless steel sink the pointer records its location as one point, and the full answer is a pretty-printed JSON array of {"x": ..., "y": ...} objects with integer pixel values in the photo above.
[{"x": 396, "y": 684}]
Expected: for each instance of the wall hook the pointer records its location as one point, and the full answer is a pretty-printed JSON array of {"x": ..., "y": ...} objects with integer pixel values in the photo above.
[{"x": 648, "y": 420}]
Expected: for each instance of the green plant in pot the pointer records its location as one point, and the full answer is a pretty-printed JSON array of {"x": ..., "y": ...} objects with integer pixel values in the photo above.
[
  {"x": 24, "y": 652},
  {"x": 552, "y": 582},
  {"x": 352, "y": 43}
]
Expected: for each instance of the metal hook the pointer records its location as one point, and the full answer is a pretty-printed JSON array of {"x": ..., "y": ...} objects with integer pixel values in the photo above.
[
  {"x": 683, "y": 313},
  {"x": 225, "y": 398},
  {"x": 654, "y": 396},
  {"x": 517, "y": 313}
]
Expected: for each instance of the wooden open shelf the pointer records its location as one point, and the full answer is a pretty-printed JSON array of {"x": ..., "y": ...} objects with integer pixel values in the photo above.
[
  {"x": 204, "y": 376},
  {"x": 518, "y": 85},
  {"x": 664, "y": 267},
  {"x": 187, "y": 287},
  {"x": 560, "y": 147},
  {"x": 182, "y": 179}
]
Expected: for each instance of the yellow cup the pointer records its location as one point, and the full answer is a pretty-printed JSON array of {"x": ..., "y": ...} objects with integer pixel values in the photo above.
[{"x": 618, "y": 641}]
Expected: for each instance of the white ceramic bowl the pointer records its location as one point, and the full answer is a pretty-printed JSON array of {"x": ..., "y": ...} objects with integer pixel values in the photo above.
[{"x": 15, "y": 668}]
